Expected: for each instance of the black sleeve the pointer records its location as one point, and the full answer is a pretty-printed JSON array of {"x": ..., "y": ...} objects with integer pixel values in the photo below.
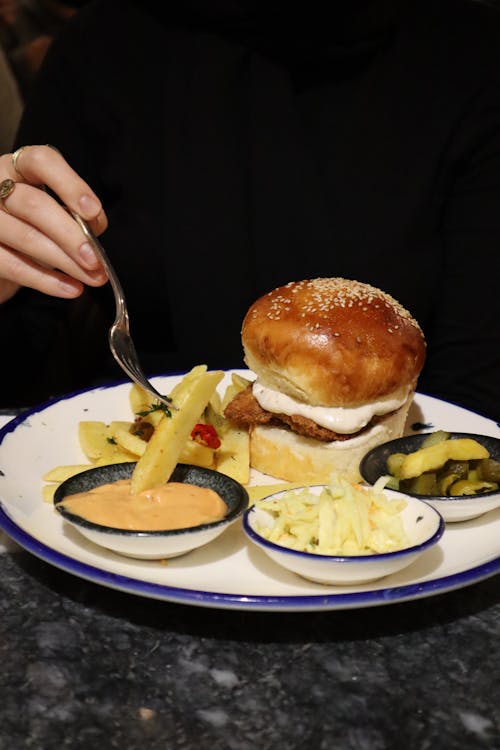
[{"x": 464, "y": 352}]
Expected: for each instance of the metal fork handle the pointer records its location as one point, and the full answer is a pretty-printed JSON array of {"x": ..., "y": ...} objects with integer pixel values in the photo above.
[
  {"x": 121, "y": 308},
  {"x": 129, "y": 362}
]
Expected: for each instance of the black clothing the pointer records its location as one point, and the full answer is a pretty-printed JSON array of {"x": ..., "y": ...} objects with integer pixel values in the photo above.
[{"x": 235, "y": 151}]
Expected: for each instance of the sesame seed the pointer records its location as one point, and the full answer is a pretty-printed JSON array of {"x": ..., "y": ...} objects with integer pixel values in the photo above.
[{"x": 321, "y": 297}]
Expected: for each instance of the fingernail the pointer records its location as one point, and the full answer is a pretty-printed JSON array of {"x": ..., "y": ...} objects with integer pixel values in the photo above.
[
  {"x": 98, "y": 276},
  {"x": 88, "y": 205},
  {"x": 69, "y": 289},
  {"x": 88, "y": 256}
]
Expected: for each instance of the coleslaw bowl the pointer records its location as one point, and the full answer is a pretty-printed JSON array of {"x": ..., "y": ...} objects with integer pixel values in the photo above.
[{"x": 422, "y": 524}]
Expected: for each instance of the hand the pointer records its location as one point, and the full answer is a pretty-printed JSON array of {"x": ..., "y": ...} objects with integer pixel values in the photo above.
[{"x": 41, "y": 246}]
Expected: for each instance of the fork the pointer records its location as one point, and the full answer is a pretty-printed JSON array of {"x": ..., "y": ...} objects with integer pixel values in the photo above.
[{"x": 120, "y": 341}]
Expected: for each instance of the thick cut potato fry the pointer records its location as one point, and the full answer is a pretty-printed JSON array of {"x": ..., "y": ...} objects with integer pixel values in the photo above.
[
  {"x": 215, "y": 402},
  {"x": 233, "y": 456},
  {"x": 48, "y": 491},
  {"x": 61, "y": 473},
  {"x": 230, "y": 392},
  {"x": 130, "y": 442},
  {"x": 197, "y": 454},
  {"x": 190, "y": 398},
  {"x": 144, "y": 405},
  {"x": 118, "y": 457},
  {"x": 93, "y": 437},
  {"x": 119, "y": 424},
  {"x": 138, "y": 398},
  {"x": 238, "y": 383},
  {"x": 97, "y": 439}
]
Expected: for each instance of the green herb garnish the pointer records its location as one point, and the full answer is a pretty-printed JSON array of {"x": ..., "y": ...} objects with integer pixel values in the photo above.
[{"x": 157, "y": 407}]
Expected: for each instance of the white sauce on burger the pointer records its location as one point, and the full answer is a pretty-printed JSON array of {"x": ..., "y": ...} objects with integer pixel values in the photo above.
[{"x": 344, "y": 420}]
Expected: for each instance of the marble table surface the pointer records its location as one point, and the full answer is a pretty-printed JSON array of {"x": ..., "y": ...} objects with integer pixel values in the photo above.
[{"x": 82, "y": 665}]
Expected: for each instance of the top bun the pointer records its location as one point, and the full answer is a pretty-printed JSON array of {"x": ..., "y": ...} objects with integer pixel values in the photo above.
[{"x": 333, "y": 342}]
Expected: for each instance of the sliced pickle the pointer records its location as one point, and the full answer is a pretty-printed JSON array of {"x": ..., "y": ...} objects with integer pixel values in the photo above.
[
  {"x": 488, "y": 469},
  {"x": 394, "y": 462},
  {"x": 425, "y": 484},
  {"x": 469, "y": 487},
  {"x": 444, "y": 466},
  {"x": 392, "y": 483},
  {"x": 445, "y": 483},
  {"x": 435, "y": 437},
  {"x": 450, "y": 473}
]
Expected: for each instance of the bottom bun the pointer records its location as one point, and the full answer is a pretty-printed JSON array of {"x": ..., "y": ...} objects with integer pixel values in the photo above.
[{"x": 285, "y": 455}]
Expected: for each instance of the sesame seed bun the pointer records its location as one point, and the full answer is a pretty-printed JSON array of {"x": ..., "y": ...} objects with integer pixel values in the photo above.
[{"x": 332, "y": 342}]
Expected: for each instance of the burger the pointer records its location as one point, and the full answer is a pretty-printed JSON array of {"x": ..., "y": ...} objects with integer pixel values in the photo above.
[{"x": 336, "y": 364}]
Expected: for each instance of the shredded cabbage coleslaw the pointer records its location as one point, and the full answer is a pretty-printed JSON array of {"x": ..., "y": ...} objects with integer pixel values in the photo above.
[{"x": 342, "y": 519}]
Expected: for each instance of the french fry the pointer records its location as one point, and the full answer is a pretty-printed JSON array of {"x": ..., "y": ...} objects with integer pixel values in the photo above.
[
  {"x": 215, "y": 418},
  {"x": 48, "y": 491},
  {"x": 143, "y": 405},
  {"x": 138, "y": 399},
  {"x": 97, "y": 439},
  {"x": 233, "y": 456},
  {"x": 93, "y": 437},
  {"x": 164, "y": 448},
  {"x": 130, "y": 442},
  {"x": 197, "y": 454},
  {"x": 215, "y": 402},
  {"x": 61, "y": 473},
  {"x": 118, "y": 457},
  {"x": 238, "y": 383},
  {"x": 119, "y": 424}
]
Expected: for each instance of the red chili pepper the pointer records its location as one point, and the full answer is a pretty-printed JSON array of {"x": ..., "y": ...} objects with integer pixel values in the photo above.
[{"x": 206, "y": 434}]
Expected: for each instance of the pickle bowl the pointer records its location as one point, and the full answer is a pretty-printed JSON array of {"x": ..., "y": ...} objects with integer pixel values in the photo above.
[
  {"x": 452, "y": 508},
  {"x": 423, "y": 526},
  {"x": 152, "y": 544}
]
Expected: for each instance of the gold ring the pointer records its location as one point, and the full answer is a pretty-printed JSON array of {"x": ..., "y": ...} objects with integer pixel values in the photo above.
[
  {"x": 15, "y": 157},
  {"x": 6, "y": 188}
]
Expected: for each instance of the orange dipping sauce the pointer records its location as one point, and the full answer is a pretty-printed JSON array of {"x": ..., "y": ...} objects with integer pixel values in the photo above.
[{"x": 174, "y": 505}]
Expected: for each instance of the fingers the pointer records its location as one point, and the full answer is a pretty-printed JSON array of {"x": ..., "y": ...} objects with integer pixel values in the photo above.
[
  {"x": 37, "y": 225},
  {"x": 44, "y": 165},
  {"x": 41, "y": 245},
  {"x": 53, "y": 239},
  {"x": 19, "y": 270}
]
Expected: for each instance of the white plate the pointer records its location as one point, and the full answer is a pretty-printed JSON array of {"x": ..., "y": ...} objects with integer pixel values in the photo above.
[{"x": 228, "y": 574}]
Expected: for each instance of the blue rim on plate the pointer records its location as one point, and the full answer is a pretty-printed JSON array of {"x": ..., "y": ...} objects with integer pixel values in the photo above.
[
  {"x": 172, "y": 594},
  {"x": 434, "y": 411}
]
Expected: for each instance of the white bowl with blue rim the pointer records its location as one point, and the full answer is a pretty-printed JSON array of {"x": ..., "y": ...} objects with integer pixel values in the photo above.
[
  {"x": 153, "y": 545},
  {"x": 453, "y": 509},
  {"x": 423, "y": 526}
]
